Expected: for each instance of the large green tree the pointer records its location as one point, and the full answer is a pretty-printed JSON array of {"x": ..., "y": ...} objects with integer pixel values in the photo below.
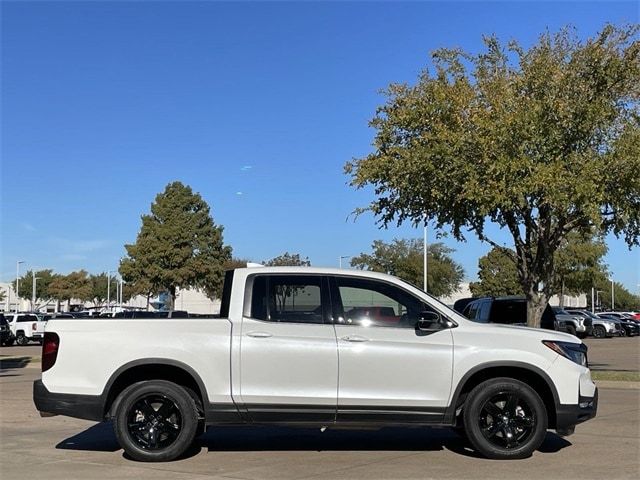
[
  {"x": 43, "y": 280},
  {"x": 74, "y": 286},
  {"x": 404, "y": 258},
  {"x": 497, "y": 275},
  {"x": 541, "y": 141},
  {"x": 178, "y": 246},
  {"x": 578, "y": 263}
]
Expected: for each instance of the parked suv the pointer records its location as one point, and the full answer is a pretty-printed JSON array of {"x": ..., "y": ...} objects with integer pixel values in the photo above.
[
  {"x": 576, "y": 325},
  {"x": 629, "y": 327},
  {"x": 506, "y": 310},
  {"x": 601, "y": 327}
]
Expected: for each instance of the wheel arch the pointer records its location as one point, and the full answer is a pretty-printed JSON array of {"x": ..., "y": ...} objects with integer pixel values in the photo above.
[
  {"x": 153, "y": 369},
  {"x": 527, "y": 373}
]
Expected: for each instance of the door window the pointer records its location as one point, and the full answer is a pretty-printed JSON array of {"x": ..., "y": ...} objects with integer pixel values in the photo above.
[
  {"x": 369, "y": 303},
  {"x": 287, "y": 298}
]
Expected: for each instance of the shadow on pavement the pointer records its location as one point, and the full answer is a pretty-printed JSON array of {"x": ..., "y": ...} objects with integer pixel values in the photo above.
[
  {"x": 101, "y": 438},
  {"x": 14, "y": 362}
]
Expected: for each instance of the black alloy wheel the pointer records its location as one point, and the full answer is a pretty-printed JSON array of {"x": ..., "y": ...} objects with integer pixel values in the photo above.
[
  {"x": 506, "y": 420},
  {"x": 22, "y": 340},
  {"x": 154, "y": 422}
]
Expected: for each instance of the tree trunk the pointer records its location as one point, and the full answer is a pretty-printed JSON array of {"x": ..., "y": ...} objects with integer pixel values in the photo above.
[
  {"x": 536, "y": 304},
  {"x": 172, "y": 298}
]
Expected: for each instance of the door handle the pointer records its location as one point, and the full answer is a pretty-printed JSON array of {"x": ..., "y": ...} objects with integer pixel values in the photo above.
[
  {"x": 355, "y": 339},
  {"x": 259, "y": 334}
]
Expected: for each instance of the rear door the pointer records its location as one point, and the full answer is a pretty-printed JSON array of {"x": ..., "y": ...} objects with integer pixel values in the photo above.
[{"x": 288, "y": 351}]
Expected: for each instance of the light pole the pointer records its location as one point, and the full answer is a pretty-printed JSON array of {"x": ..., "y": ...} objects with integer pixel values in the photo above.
[
  {"x": 109, "y": 289},
  {"x": 598, "y": 292},
  {"x": 18, "y": 283},
  {"x": 341, "y": 257},
  {"x": 613, "y": 297}
]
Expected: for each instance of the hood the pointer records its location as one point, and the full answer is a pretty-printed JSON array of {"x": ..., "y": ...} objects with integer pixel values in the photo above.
[{"x": 534, "y": 333}]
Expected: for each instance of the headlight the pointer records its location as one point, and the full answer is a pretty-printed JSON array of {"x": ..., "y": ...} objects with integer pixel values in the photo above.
[
  {"x": 611, "y": 324},
  {"x": 576, "y": 352}
]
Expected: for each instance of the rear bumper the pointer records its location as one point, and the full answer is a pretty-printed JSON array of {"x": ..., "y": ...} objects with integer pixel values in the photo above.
[
  {"x": 88, "y": 407},
  {"x": 568, "y": 416}
]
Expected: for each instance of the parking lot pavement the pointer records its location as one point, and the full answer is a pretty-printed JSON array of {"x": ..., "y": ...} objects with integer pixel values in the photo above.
[
  {"x": 66, "y": 448},
  {"x": 614, "y": 353}
]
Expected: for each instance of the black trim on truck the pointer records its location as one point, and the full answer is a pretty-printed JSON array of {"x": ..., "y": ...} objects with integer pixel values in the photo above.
[
  {"x": 87, "y": 407},
  {"x": 568, "y": 416}
]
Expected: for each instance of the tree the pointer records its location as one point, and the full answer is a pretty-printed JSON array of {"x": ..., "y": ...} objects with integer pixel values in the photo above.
[
  {"x": 497, "y": 275},
  {"x": 578, "y": 267},
  {"x": 624, "y": 300},
  {"x": 178, "y": 246},
  {"x": 3, "y": 296},
  {"x": 99, "y": 293},
  {"x": 75, "y": 285},
  {"x": 541, "y": 142},
  {"x": 44, "y": 279},
  {"x": 288, "y": 260},
  {"x": 579, "y": 264},
  {"x": 404, "y": 258},
  {"x": 235, "y": 263}
]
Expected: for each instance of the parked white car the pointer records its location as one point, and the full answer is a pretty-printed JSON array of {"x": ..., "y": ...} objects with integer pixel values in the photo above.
[
  {"x": 25, "y": 327},
  {"x": 316, "y": 347}
]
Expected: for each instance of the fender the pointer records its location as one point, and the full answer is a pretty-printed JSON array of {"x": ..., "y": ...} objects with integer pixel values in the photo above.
[
  {"x": 156, "y": 362},
  {"x": 450, "y": 413}
]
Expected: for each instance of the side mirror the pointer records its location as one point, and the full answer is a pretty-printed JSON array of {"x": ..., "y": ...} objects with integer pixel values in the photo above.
[{"x": 429, "y": 321}]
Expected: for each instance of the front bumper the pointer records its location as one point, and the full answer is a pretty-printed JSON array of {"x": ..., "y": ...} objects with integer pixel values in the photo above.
[
  {"x": 568, "y": 416},
  {"x": 88, "y": 407}
]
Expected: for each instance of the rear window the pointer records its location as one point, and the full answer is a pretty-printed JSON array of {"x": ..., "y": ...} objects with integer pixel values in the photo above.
[
  {"x": 287, "y": 298},
  {"x": 27, "y": 318},
  {"x": 509, "y": 311}
]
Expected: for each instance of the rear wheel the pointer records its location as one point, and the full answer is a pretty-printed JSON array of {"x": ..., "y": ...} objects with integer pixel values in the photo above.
[
  {"x": 156, "y": 421},
  {"x": 505, "y": 419},
  {"x": 22, "y": 340},
  {"x": 599, "y": 331}
]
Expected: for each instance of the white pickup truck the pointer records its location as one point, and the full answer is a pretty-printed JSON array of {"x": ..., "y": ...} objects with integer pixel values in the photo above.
[
  {"x": 25, "y": 327},
  {"x": 316, "y": 347}
]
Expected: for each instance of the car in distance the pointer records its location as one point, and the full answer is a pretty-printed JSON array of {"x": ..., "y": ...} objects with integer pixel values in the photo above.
[
  {"x": 271, "y": 357},
  {"x": 576, "y": 325},
  {"x": 602, "y": 327},
  {"x": 25, "y": 327},
  {"x": 509, "y": 310},
  {"x": 629, "y": 327}
]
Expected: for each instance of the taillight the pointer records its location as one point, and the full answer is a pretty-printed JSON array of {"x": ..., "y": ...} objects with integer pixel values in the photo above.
[{"x": 50, "y": 346}]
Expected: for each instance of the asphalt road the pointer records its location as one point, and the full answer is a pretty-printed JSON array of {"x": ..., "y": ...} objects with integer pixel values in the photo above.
[{"x": 66, "y": 448}]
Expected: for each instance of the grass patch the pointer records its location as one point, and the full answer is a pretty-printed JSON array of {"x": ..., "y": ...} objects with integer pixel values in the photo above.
[{"x": 616, "y": 376}]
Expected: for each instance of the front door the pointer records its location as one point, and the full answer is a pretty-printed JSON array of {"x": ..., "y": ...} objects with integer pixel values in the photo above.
[
  {"x": 288, "y": 351},
  {"x": 390, "y": 370}
]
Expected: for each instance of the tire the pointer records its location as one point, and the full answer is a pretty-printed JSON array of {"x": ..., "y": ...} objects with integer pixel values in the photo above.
[
  {"x": 599, "y": 331},
  {"x": 10, "y": 342},
  {"x": 505, "y": 419},
  {"x": 155, "y": 421},
  {"x": 571, "y": 329},
  {"x": 22, "y": 340}
]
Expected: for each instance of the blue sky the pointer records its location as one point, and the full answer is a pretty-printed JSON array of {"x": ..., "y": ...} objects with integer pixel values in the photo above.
[{"x": 257, "y": 106}]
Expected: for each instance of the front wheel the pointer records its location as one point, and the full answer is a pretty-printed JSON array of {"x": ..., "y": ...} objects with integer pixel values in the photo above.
[
  {"x": 156, "y": 421},
  {"x": 505, "y": 419},
  {"x": 599, "y": 331}
]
